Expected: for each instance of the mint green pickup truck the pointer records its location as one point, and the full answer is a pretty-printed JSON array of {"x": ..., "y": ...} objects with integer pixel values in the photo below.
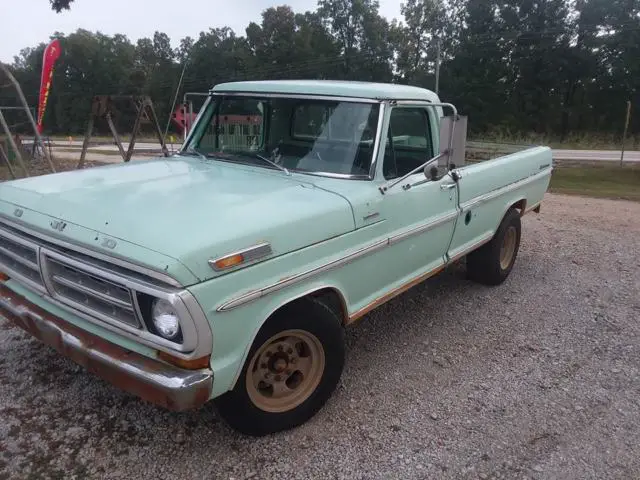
[{"x": 228, "y": 271}]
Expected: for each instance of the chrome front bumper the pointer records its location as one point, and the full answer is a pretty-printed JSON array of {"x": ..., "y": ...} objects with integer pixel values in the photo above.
[{"x": 152, "y": 380}]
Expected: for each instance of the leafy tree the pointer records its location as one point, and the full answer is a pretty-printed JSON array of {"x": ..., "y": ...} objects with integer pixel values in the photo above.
[
  {"x": 59, "y": 5},
  {"x": 362, "y": 35},
  {"x": 317, "y": 49},
  {"x": 273, "y": 41},
  {"x": 417, "y": 39},
  {"x": 549, "y": 66}
]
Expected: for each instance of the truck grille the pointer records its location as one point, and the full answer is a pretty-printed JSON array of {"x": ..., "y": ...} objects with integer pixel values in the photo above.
[
  {"x": 45, "y": 268},
  {"x": 19, "y": 258},
  {"x": 91, "y": 293}
]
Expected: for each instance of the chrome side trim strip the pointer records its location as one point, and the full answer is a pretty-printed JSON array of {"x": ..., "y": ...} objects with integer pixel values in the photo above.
[
  {"x": 411, "y": 283},
  {"x": 423, "y": 228},
  {"x": 479, "y": 200},
  {"x": 255, "y": 294},
  {"x": 250, "y": 254},
  {"x": 286, "y": 282},
  {"x": 162, "y": 277}
]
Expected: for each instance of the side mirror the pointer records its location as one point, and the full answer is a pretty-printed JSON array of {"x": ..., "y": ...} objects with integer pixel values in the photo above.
[{"x": 453, "y": 140}]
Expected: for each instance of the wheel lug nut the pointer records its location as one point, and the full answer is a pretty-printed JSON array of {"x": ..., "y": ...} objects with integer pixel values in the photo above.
[
  {"x": 292, "y": 360},
  {"x": 266, "y": 375},
  {"x": 280, "y": 348},
  {"x": 290, "y": 351},
  {"x": 263, "y": 365}
]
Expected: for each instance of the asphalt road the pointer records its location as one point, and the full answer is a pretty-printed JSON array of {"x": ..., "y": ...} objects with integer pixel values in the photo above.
[
  {"x": 538, "y": 378},
  {"x": 596, "y": 155}
]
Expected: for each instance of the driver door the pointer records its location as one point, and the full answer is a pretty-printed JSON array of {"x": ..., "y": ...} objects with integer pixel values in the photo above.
[{"x": 421, "y": 218}]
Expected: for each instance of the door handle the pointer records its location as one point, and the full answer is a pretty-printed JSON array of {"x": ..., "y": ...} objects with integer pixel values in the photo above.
[{"x": 447, "y": 186}]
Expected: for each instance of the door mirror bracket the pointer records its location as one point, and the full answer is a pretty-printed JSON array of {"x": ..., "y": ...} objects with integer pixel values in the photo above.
[{"x": 453, "y": 133}]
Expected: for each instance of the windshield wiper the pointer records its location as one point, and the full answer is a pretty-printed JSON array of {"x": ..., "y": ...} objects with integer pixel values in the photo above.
[{"x": 271, "y": 162}]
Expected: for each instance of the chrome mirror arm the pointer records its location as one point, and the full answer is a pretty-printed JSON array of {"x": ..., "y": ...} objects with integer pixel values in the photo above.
[{"x": 387, "y": 186}]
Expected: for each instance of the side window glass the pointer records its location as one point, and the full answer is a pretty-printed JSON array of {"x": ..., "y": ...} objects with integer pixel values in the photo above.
[{"x": 408, "y": 142}]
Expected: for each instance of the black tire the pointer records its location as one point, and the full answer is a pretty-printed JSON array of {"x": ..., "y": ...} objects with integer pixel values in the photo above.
[
  {"x": 309, "y": 315},
  {"x": 484, "y": 264}
]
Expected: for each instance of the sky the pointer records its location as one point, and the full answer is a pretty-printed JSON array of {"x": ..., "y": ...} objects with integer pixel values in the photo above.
[{"x": 25, "y": 23}]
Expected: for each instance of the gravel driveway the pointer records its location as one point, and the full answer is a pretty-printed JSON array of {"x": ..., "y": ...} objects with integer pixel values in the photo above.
[{"x": 537, "y": 378}]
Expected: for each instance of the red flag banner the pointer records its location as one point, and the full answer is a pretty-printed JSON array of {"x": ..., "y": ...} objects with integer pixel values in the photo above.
[{"x": 51, "y": 54}]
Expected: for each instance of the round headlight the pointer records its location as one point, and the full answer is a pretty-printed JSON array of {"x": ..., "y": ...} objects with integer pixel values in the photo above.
[{"x": 165, "y": 319}]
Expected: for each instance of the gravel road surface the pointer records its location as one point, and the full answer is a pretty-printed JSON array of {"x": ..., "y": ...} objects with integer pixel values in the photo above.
[{"x": 537, "y": 378}]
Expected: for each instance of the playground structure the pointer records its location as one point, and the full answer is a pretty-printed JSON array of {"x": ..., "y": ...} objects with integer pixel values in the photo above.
[
  {"x": 13, "y": 146},
  {"x": 103, "y": 107},
  {"x": 20, "y": 156}
]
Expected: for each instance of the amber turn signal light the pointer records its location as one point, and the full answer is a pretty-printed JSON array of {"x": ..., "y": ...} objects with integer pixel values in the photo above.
[
  {"x": 194, "y": 364},
  {"x": 3, "y": 277},
  {"x": 228, "y": 262}
]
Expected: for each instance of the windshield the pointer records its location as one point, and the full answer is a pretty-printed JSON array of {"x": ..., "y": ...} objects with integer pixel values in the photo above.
[{"x": 297, "y": 134}]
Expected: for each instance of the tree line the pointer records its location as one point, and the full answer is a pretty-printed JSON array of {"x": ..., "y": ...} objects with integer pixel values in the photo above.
[{"x": 553, "y": 67}]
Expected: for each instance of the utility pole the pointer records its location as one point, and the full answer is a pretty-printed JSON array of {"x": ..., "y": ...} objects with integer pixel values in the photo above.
[
  {"x": 626, "y": 128},
  {"x": 438, "y": 60}
]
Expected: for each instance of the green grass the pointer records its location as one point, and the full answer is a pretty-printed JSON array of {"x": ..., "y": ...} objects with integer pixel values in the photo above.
[{"x": 598, "y": 181}]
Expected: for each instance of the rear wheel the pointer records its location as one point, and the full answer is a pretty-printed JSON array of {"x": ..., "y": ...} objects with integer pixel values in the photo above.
[
  {"x": 292, "y": 368},
  {"x": 492, "y": 263}
]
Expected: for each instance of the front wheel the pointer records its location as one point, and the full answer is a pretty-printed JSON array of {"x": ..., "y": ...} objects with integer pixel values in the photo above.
[
  {"x": 492, "y": 263},
  {"x": 293, "y": 367}
]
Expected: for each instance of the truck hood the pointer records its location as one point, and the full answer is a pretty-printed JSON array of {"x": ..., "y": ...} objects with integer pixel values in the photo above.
[{"x": 186, "y": 209}]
